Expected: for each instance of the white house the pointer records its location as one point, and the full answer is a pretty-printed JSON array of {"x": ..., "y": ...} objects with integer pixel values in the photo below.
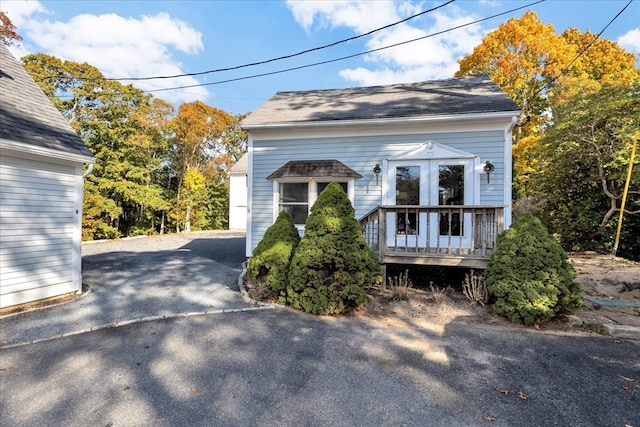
[
  {"x": 427, "y": 166},
  {"x": 41, "y": 185},
  {"x": 238, "y": 194}
]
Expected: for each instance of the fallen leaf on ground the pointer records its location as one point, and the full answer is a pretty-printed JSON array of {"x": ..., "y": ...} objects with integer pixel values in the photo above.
[
  {"x": 503, "y": 391},
  {"x": 194, "y": 390},
  {"x": 626, "y": 378},
  {"x": 489, "y": 418},
  {"x": 522, "y": 396}
]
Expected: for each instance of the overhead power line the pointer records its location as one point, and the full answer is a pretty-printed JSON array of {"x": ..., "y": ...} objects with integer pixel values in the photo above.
[
  {"x": 253, "y": 76},
  {"x": 566, "y": 68},
  {"x": 279, "y": 58}
]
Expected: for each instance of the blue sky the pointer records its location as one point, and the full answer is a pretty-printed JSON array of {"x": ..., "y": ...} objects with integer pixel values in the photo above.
[{"x": 152, "y": 38}]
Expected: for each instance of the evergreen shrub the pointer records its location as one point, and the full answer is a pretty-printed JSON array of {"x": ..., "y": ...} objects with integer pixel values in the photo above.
[
  {"x": 529, "y": 277},
  {"x": 271, "y": 257},
  {"x": 333, "y": 264}
]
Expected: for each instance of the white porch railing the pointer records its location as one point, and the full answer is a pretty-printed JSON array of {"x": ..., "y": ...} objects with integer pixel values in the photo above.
[{"x": 458, "y": 232}]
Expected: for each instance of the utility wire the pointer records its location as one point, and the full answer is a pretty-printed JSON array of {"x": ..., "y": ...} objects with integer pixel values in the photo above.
[
  {"x": 253, "y": 76},
  {"x": 251, "y": 64}
]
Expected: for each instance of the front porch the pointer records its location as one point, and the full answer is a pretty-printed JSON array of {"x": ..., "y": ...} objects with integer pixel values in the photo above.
[{"x": 450, "y": 236}]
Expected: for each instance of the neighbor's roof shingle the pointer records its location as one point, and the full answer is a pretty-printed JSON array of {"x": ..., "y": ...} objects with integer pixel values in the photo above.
[
  {"x": 465, "y": 95},
  {"x": 26, "y": 114}
]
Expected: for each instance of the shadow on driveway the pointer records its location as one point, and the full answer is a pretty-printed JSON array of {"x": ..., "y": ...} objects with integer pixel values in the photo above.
[{"x": 139, "y": 278}]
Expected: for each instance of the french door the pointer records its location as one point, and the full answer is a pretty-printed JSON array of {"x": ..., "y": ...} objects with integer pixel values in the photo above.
[{"x": 439, "y": 183}]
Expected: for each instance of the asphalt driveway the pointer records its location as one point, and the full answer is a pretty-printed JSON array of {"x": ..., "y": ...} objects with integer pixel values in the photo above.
[
  {"x": 281, "y": 367},
  {"x": 285, "y": 368},
  {"x": 142, "y": 278}
]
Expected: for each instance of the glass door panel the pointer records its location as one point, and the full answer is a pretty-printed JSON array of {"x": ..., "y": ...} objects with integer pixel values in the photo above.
[
  {"x": 407, "y": 194},
  {"x": 450, "y": 193}
]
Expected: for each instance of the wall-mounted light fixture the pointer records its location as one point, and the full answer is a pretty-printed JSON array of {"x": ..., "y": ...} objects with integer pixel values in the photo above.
[
  {"x": 488, "y": 168},
  {"x": 376, "y": 170}
]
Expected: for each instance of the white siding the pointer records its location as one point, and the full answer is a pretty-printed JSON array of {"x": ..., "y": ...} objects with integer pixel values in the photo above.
[
  {"x": 238, "y": 202},
  {"x": 39, "y": 229},
  {"x": 361, "y": 153}
]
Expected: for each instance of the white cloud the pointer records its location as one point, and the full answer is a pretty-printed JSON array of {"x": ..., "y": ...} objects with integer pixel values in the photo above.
[
  {"x": 117, "y": 46},
  {"x": 359, "y": 15},
  {"x": 432, "y": 57},
  {"x": 631, "y": 41}
]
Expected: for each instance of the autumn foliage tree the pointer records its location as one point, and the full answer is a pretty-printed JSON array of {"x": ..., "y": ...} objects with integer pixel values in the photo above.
[
  {"x": 8, "y": 32},
  {"x": 570, "y": 132},
  {"x": 199, "y": 147},
  {"x": 155, "y": 170},
  {"x": 539, "y": 68}
]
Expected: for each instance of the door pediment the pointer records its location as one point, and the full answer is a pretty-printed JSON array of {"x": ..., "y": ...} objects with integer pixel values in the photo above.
[{"x": 433, "y": 150}]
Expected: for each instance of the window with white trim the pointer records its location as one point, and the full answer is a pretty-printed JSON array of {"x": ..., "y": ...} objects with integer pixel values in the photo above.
[{"x": 297, "y": 197}]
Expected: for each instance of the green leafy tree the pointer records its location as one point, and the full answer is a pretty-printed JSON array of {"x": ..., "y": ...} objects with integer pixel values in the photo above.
[
  {"x": 121, "y": 195},
  {"x": 272, "y": 256},
  {"x": 583, "y": 159},
  {"x": 529, "y": 277},
  {"x": 333, "y": 264}
]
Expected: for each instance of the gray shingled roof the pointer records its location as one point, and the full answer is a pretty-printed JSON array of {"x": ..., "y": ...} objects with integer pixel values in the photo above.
[
  {"x": 241, "y": 165},
  {"x": 465, "y": 95},
  {"x": 26, "y": 114},
  {"x": 314, "y": 169}
]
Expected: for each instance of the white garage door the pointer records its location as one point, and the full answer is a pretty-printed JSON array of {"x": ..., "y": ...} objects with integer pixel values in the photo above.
[{"x": 37, "y": 216}]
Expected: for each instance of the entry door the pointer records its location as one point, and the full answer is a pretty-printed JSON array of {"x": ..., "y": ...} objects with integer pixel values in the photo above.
[{"x": 441, "y": 182}]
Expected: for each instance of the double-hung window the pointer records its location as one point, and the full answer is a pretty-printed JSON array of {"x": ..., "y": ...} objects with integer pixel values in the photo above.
[
  {"x": 298, "y": 197},
  {"x": 294, "y": 198},
  {"x": 298, "y": 184}
]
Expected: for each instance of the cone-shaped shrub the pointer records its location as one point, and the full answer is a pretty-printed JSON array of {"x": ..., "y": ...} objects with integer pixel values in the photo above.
[
  {"x": 273, "y": 254},
  {"x": 529, "y": 277},
  {"x": 332, "y": 264}
]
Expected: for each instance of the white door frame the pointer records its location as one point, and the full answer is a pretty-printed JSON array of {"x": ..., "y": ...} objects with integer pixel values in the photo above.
[{"x": 429, "y": 157}]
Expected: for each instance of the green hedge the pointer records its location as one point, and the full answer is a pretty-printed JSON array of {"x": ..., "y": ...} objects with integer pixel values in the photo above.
[
  {"x": 529, "y": 277},
  {"x": 273, "y": 254},
  {"x": 332, "y": 265}
]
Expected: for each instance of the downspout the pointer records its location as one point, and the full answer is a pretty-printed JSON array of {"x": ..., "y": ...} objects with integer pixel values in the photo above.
[{"x": 88, "y": 171}]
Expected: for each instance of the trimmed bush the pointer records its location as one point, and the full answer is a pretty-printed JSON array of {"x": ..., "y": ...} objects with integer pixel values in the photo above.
[
  {"x": 529, "y": 277},
  {"x": 332, "y": 264},
  {"x": 273, "y": 254}
]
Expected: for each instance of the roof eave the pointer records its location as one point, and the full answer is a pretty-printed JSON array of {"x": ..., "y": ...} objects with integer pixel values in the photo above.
[
  {"x": 6, "y": 144},
  {"x": 383, "y": 121}
]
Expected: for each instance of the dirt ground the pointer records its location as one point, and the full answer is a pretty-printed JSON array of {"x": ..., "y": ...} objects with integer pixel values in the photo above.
[{"x": 600, "y": 276}]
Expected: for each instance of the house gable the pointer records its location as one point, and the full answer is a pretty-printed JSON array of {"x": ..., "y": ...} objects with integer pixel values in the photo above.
[
  {"x": 433, "y": 150},
  {"x": 468, "y": 120}
]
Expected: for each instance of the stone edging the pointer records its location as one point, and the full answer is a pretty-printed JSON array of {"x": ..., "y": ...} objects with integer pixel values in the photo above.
[{"x": 256, "y": 306}]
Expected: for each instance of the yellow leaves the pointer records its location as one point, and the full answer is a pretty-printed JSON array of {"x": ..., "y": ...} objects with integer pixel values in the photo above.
[{"x": 194, "y": 181}]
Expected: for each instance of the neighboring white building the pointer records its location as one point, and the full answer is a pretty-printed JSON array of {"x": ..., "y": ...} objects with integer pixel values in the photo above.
[
  {"x": 41, "y": 187},
  {"x": 238, "y": 195},
  {"x": 427, "y": 166}
]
